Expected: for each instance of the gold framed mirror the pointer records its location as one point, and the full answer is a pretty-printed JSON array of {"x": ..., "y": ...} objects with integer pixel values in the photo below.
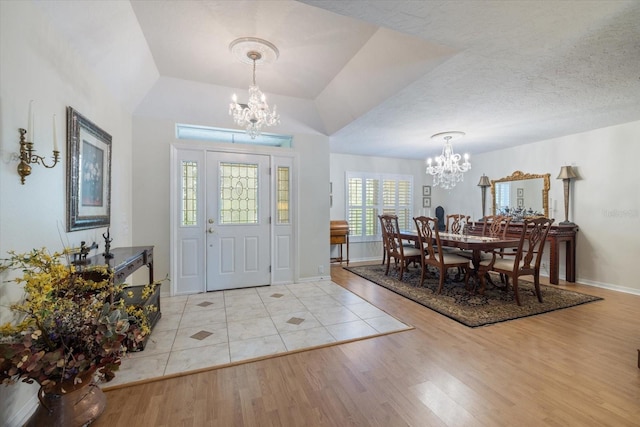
[{"x": 525, "y": 193}]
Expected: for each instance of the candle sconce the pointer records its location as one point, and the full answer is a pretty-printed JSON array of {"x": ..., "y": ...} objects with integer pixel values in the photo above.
[{"x": 27, "y": 157}]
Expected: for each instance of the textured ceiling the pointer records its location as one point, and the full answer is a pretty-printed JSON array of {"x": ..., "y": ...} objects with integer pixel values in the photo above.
[{"x": 386, "y": 75}]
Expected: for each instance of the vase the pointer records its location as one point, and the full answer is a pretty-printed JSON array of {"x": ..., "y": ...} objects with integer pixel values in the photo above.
[{"x": 76, "y": 408}]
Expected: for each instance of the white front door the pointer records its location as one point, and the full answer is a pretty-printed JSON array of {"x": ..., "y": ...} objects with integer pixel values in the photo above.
[{"x": 237, "y": 221}]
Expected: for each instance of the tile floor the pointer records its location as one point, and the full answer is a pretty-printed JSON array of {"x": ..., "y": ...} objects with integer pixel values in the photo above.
[{"x": 214, "y": 328}]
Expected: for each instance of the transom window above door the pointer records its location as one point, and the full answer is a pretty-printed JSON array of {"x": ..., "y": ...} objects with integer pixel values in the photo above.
[{"x": 205, "y": 133}]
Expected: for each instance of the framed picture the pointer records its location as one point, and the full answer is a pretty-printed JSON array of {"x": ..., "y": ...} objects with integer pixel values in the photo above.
[
  {"x": 520, "y": 192},
  {"x": 426, "y": 190},
  {"x": 520, "y": 202},
  {"x": 88, "y": 174},
  {"x": 426, "y": 202}
]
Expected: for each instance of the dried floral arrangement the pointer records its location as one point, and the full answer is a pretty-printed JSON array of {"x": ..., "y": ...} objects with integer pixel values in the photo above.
[{"x": 72, "y": 326}]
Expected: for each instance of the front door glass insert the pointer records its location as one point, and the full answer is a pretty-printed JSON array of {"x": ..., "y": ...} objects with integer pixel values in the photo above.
[{"x": 238, "y": 193}]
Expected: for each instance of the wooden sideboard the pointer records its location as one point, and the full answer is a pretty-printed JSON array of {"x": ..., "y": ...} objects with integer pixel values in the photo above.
[{"x": 557, "y": 235}]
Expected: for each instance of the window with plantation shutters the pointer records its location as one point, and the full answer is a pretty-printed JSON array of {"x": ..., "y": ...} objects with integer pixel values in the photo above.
[{"x": 370, "y": 195}]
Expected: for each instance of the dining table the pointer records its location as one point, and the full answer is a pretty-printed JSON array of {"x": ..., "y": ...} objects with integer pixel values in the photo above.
[{"x": 470, "y": 242}]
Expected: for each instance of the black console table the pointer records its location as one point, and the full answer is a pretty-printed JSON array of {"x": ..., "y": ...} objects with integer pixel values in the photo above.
[{"x": 124, "y": 263}]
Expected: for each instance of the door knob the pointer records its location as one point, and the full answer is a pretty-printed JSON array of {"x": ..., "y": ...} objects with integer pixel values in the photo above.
[
  {"x": 210, "y": 230},
  {"x": 210, "y": 221}
]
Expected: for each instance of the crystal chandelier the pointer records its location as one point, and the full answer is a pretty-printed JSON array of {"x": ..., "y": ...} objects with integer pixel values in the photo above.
[
  {"x": 448, "y": 171},
  {"x": 255, "y": 113}
]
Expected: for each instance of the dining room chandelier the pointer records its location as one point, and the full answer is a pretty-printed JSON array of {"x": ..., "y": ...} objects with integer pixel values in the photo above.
[
  {"x": 256, "y": 112},
  {"x": 447, "y": 170}
]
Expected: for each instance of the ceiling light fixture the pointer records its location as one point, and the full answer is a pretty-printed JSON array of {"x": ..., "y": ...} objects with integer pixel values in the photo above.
[
  {"x": 255, "y": 113},
  {"x": 448, "y": 171}
]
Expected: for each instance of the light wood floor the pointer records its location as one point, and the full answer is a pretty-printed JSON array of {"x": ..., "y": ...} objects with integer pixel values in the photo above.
[{"x": 573, "y": 367}]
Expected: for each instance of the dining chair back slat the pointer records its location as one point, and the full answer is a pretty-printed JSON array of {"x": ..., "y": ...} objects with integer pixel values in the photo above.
[{"x": 456, "y": 223}]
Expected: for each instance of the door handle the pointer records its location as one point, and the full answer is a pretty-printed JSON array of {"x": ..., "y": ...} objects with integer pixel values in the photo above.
[{"x": 210, "y": 230}]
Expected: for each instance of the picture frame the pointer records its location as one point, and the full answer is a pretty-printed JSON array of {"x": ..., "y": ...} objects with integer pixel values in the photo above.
[
  {"x": 520, "y": 201},
  {"x": 520, "y": 192},
  {"x": 426, "y": 191},
  {"x": 426, "y": 202},
  {"x": 88, "y": 173}
]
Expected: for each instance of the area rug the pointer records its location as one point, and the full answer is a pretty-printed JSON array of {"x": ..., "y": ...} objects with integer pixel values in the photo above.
[{"x": 469, "y": 308}]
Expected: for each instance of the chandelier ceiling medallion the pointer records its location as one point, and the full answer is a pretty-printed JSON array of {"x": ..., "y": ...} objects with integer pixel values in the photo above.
[
  {"x": 255, "y": 113},
  {"x": 447, "y": 170}
]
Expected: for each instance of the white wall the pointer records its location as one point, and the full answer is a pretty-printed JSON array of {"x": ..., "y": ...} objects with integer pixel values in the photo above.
[
  {"x": 174, "y": 101},
  {"x": 604, "y": 200},
  {"x": 341, "y": 163},
  {"x": 35, "y": 63}
]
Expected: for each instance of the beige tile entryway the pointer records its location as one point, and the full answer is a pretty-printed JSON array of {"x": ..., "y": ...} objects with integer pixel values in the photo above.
[{"x": 216, "y": 328}]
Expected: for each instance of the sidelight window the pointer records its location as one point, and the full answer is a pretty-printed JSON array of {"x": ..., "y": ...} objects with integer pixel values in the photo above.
[
  {"x": 283, "y": 195},
  {"x": 189, "y": 212}
]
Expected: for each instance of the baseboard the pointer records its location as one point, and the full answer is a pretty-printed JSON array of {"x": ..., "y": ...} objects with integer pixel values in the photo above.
[
  {"x": 377, "y": 258},
  {"x": 314, "y": 279},
  {"x": 609, "y": 286}
]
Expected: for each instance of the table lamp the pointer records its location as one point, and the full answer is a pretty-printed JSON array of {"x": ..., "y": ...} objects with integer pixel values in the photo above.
[
  {"x": 566, "y": 174},
  {"x": 483, "y": 184}
]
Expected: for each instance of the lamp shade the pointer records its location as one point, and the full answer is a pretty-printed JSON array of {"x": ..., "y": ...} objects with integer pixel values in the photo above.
[
  {"x": 484, "y": 181},
  {"x": 566, "y": 172}
]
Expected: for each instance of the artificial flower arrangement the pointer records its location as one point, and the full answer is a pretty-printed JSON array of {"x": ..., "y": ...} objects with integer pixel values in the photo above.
[{"x": 74, "y": 325}]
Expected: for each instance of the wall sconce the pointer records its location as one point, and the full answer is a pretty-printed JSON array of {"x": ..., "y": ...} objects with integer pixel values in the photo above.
[
  {"x": 27, "y": 156},
  {"x": 483, "y": 184},
  {"x": 566, "y": 174}
]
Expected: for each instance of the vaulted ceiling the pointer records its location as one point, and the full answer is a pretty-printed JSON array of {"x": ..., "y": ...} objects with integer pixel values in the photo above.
[{"x": 383, "y": 76}]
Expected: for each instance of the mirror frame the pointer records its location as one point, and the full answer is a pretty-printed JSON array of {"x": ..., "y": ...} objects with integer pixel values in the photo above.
[{"x": 520, "y": 176}]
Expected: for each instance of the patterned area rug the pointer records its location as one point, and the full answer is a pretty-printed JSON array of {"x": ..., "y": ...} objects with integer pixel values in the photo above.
[{"x": 469, "y": 308}]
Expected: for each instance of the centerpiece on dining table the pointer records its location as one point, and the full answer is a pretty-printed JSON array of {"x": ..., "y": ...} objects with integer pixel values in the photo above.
[{"x": 70, "y": 331}]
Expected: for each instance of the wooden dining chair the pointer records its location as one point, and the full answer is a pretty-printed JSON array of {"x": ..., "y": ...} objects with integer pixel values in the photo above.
[
  {"x": 384, "y": 242},
  {"x": 402, "y": 255},
  {"x": 495, "y": 225},
  {"x": 433, "y": 255},
  {"x": 524, "y": 262},
  {"x": 456, "y": 223}
]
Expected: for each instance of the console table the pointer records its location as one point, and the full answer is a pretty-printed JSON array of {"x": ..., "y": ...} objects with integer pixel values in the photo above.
[
  {"x": 124, "y": 263},
  {"x": 557, "y": 234}
]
